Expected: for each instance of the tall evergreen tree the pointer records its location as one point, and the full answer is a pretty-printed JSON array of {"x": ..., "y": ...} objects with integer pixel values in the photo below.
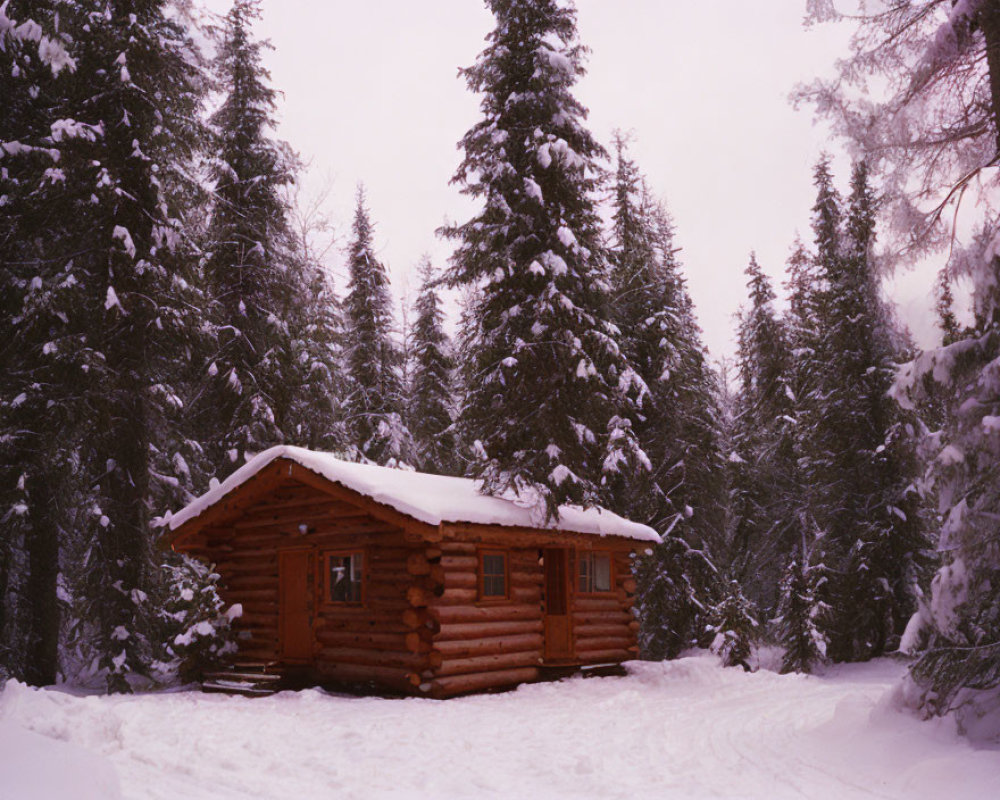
[
  {"x": 675, "y": 422},
  {"x": 247, "y": 264},
  {"x": 374, "y": 402},
  {"x": 857, "y": 453},
  {"x": 543, "y": 405},
  {"x": 764, "y": 454},
  {"x": 935, "y": 128},
  {"x": 431, "y": 406},
  {"x": 123, "y": 317}
]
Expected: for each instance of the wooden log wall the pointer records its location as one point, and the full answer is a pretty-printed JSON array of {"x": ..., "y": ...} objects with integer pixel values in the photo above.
[
  {"x": 422, "y": 628},
  {"x": 604, "y": 628},
  {"x": 483, "y": 644},
  {"x": 370, "y": 644}
]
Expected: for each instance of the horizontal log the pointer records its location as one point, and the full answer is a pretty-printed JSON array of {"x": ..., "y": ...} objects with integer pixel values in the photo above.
[
  {"x": 629, "y": 585},
  {"x": 523, "y": 578},
  {"x": 375, "y": 658},
  {"x": 521, "y": 594},
  {"x": 489, "y": 645},
  {"x": 267, "y": 595},
  {"x": 617, "y": 617},
  {"x": 250, "y": 582},
  {"x": 620, "y": 630},
  {"x": 461, "y": 563},
  {"x": 464, "y": 666},
  {"x": 456, "y": 596},
  {"x": 259, "y": 653},
  {"x": 488, "y": 629},
  {"x": 460, "y": 580},
  {"x": 388, "y": 677},
  {"x": 607, "y": 603},
  {"x": 365, "y": 639},
  {"x": 433, "y": 554},
  {"x": 459, "y": 684},
  {"x": 471, "y": 613},
  {"x": 253, "y": 620},
  {"x": 461, "y": 548},
  {"x": 603, "y": 643},
  {"x": 604, "y": 656}
]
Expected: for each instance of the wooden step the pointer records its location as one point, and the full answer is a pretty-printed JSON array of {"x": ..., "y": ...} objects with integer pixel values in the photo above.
[
  {"x": 236, "y": 687},
  {"x": 249, "y": 677}
]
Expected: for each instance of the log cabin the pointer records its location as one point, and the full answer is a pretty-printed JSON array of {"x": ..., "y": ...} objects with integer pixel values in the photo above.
[{"x": 353, "y": 574}]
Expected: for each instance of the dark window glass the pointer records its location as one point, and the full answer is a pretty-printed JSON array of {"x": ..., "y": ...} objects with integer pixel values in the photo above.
[
  {"x": 345, "y": 578},
  {"x": 494, "y": 575},
  {"x": 585, "y": 573}
]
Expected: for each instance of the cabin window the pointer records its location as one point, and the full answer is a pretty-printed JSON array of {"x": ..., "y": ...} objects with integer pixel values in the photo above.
[
  {"x": 493, "y": 575},
  {"x": 343, "y": 577},
  {"x": 594, "y": 573}
]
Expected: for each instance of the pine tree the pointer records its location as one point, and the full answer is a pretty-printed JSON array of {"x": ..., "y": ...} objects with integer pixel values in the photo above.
[
  {"x": 734, "y": 626},
  {"x": 39, "y": 358},
  {"x": 431, "y": 405},
  {"x": 763, "y": 449},
  {"x": 130, "y": 127},
  {"x": 855, "y": 449},
  {"x": 799, "y": 624},
  {"x": 251, "y": 382},
  {"x": 316, "y": 416},
  {"x": 374, "y": 402},
  {"x": 543, "y": 404},
  {"x": 676, "y": 421}
]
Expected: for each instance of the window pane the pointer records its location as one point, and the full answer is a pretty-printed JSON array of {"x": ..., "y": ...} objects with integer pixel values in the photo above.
[
  {"x": 357, "y": 568},
  {"x": 494, "y": 575},
  {"x": 602, "y": 573},
  {"x": 340, "y": 578},
  {"x": 584, "y": 561},
  {"x": 345, "y": 578}
]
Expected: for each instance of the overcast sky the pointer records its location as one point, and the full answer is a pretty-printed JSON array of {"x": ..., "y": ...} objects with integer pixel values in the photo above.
[{"x": 371, "y": 94}]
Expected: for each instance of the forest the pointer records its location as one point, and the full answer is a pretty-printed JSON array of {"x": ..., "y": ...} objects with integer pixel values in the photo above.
[{"x": 168, "y": 311}]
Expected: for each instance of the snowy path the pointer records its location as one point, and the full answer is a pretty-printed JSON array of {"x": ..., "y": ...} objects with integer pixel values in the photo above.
[{"x": 684, "y": 729}]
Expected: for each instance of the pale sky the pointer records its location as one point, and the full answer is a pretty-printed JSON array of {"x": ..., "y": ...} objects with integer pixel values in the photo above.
[{"x": 371, "y": 93}]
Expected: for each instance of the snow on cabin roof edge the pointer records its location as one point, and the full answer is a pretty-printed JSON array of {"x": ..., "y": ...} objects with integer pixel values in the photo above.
[{"x": 432, "y": 499}]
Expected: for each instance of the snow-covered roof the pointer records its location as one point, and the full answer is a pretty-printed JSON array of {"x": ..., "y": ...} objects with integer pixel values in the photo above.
[{"x": 428, "y": 498}]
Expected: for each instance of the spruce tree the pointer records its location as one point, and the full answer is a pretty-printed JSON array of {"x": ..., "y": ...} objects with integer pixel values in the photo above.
[
  {"x": 855, "y": 448},
  {"x": 763, "y": 447},
  {"x": 799, "y": 623},
  {"x": 734, "y": 628},
  {"x": 675, "y": 420},
  {"x": 543, "y": 404},
  {"x": 252, "y": 288},
  {"x": 431, "y": 405},
  {"x": 39, "y": 352},
  {"x": 374, "y": 401}
]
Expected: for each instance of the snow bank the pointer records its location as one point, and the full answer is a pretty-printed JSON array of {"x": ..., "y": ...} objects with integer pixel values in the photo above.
[
  {"x": 34, "y": 766},
  {"x": 681, "y": 729},
  {"x": 428, "y": 498}
]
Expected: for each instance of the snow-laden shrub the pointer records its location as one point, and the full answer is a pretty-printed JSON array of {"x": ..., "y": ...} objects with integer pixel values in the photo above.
[
  {"x": 194, "y": 625},
  {"x": 734, "y": 626}
]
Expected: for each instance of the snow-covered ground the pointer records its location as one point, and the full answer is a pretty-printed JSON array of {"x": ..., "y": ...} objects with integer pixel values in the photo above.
[{"x": 684, "y": 729}]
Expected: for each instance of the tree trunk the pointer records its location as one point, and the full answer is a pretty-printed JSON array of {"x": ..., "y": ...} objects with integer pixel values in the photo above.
[
  {"x": 42, "y": 543},
  {"x": 989, "y": 21}
]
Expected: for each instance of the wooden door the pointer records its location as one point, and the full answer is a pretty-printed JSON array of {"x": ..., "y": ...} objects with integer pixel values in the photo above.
[
  {"x": 558, "y": 632},
  {"x": 295, "y": 604}
]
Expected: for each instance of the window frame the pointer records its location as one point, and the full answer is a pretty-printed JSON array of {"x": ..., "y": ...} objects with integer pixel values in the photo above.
[
  {"x": 481, "y": 595},
  {"x": 590, "y": 556},
  {"x": 325, "y": 557}
]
